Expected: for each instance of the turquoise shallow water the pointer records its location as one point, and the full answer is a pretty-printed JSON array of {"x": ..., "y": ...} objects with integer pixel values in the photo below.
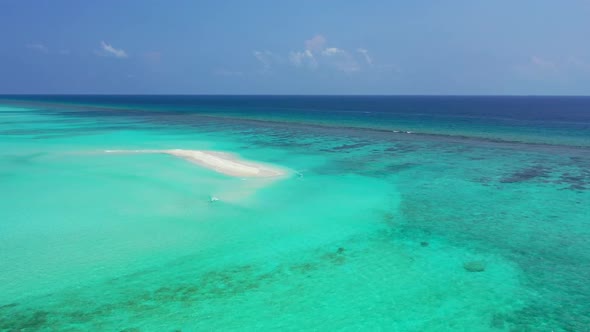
[{"x": 375, "y": 230}]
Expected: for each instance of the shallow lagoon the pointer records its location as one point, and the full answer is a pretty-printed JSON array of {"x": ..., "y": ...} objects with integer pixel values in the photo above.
[{"x": 373, "y": 231}]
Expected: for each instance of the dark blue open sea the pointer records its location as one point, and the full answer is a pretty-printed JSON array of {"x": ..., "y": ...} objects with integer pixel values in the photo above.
[{"x": 395, "y": 213}]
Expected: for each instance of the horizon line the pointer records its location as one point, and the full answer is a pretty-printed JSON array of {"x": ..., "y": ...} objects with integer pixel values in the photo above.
[{"x": 286, "y": 95}]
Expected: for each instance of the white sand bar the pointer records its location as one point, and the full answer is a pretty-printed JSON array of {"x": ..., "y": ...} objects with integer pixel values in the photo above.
[{"x": 220, "y": 162}]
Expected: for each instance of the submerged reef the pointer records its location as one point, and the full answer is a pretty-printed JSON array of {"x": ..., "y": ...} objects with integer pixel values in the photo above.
[
  {"x": 134, "y": 298},
  {"x": 474, "y": 266}
]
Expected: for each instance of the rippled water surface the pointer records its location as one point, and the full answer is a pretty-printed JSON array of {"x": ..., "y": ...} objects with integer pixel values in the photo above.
[{"x": 401, "y": 214}]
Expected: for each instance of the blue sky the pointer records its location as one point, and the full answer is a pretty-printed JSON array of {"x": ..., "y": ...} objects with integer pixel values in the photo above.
[{"x": 295, "y": 47}]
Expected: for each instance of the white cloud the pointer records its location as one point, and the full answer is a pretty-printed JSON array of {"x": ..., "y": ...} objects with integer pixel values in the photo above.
[
  {"x": 563, "y": 64},
  {"x": 543, "y": 63},
  {"x": 331, "y": 51},
  {"x": 340, "y": 60},
  {"x": 578, "y": 63},
  {"x": 265, "y": 58},
  {"x": 38, "y": 47},
  {"x": 304, "y": 58},
  {"x": 111, "y": 51},
  {"x": 539, "y": 68},
  {"x": 317, "y": 55},
  {"x": 563, "y": 68},
  {"x": 315, "y": 44},
  {"x": 365, "y": 55},
  {"x": 268, "y": 59}
]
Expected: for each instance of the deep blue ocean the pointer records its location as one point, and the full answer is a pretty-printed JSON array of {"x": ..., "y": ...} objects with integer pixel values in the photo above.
[{"x": 518, "y": 118}]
